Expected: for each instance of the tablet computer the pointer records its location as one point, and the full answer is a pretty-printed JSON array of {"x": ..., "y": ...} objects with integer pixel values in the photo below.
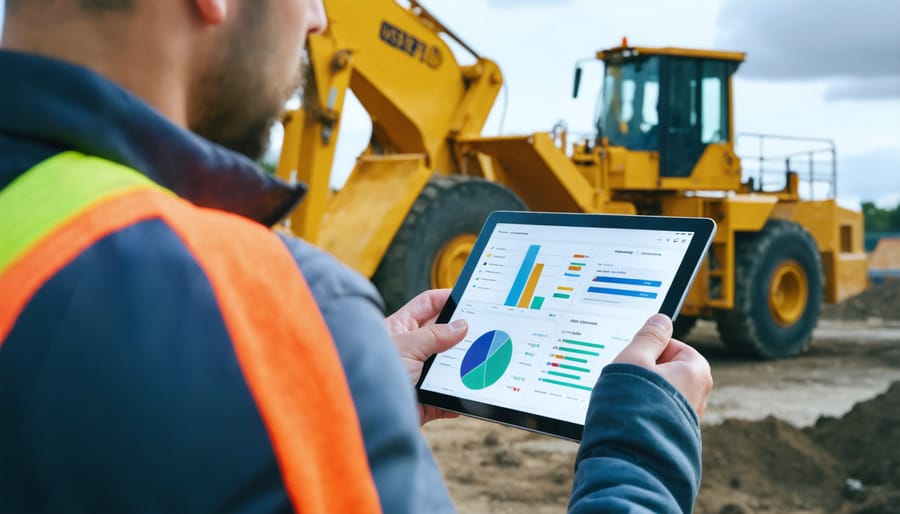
[{"x": 550, "y": 300}]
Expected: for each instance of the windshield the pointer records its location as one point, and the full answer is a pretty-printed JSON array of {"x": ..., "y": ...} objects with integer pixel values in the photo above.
[{"x": 628, "y": 109}]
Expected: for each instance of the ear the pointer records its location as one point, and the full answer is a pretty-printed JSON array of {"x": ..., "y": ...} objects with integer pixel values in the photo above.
[{"x": 212, "y": 11}]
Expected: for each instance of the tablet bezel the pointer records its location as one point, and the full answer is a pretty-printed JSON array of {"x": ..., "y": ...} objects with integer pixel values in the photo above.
[{"x": 703, "y": 229}]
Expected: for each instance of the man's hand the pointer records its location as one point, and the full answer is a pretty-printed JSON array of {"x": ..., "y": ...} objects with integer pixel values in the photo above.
[
  {"x": 417, "y": 338},
  {"x": 681, "y": 365}
]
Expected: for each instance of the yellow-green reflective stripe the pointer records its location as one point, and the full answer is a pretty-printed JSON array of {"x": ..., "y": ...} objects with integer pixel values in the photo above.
[{"x": 55, "y": 191}]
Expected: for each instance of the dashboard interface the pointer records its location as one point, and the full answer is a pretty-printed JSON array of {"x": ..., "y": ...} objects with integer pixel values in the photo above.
[{"x": 548, "y": 307}]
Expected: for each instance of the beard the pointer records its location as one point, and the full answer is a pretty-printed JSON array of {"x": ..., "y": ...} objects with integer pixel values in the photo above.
[{"x": 234, "y": 102}]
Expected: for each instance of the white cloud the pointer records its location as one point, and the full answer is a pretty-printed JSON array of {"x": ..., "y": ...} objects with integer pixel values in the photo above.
[{"x": 854, "y": 44}]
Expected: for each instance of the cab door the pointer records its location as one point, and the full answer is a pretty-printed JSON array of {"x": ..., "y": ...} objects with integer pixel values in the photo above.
[{"x": 693, "y": 111}]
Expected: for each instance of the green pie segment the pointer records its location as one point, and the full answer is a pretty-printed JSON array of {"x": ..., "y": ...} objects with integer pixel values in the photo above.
[{"x": 486, "y": 360}]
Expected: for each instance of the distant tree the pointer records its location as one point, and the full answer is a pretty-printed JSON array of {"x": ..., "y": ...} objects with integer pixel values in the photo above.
[
  {"x": 895, "y": 219},
  {"x": 881, "y": 220}
]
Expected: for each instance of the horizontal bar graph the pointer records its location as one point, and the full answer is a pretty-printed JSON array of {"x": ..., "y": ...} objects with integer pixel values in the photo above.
[
  {"x": 565, "y": 384},
  {"x": 564, "y": 375},
  {"x": 569, "y": 366},
  {"x": 629, "y": 281},
  {"x": 569, "y": 358},
  {"x": 622, "y": 292},
  {"x": 578, "y": 351},
  {"x": 582, "y": 343}
]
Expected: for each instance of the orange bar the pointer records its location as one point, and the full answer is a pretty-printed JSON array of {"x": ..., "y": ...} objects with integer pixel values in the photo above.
[
  {"x": 525, "y": 301},
  {"x": 579, "y": 256},
  {"x": 574, "y": 268}
]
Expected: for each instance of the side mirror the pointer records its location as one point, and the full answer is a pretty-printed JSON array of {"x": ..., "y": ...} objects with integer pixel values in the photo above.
[{"x": 577, "y": 85}]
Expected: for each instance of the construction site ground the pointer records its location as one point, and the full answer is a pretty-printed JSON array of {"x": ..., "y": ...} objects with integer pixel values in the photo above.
[{"x": 815, "y": 434}]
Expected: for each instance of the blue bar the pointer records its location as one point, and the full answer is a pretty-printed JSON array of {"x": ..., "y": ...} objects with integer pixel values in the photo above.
[
  {"x": 621, "y": 292},
  {"x": 572, "y": 275},
  {"x": 629, "y": 281},
  {"x": 522, "y": 276}
]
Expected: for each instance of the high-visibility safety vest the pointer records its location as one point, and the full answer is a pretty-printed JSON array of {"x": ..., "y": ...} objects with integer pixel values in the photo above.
[{"x": 60, "y": 208}]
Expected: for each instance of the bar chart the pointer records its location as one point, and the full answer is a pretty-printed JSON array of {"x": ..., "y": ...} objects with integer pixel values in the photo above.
[
  {"x": 627, "y": 287},
  {"x": 569, "y": 364},
  {"x": 522, "y": 292}
]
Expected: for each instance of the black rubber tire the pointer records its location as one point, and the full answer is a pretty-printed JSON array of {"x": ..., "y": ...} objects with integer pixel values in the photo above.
[
  {"x": 750, "y": 329},
  {"x": 449, "y": 206},
  {"x": 682, "y": 326}
]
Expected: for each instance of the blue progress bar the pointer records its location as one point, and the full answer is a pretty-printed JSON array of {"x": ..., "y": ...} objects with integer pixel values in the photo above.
[
  {"x": 522, "y": 276},
  {"x": 572, "y": 275},
  {"x": 621, "y": 292},
  {"x": 629, "y": 281}
]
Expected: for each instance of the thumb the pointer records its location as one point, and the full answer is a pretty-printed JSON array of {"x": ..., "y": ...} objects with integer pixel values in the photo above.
[
  {"x": 649, "y": 343},
  {"x": 436, "y": 338}
]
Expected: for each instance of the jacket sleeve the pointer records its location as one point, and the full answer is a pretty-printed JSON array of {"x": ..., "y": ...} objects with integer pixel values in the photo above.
[
  {"x": 641, "y": 447},
  {"x": 404, "y": 470}
]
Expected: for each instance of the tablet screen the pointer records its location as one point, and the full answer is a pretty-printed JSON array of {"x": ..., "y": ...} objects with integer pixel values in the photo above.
[{"x": 548, "y": 307}]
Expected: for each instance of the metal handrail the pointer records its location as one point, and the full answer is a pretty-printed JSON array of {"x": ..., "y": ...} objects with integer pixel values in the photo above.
[{"x": 812, "y": 176}]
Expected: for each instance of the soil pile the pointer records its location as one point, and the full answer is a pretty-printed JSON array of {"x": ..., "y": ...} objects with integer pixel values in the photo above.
[
  {"x": 766, "y": 466},
  {"x": 879, "y": 301},
  {"x": 849, "y": 465},
  {"x": 867, "y": 441}
]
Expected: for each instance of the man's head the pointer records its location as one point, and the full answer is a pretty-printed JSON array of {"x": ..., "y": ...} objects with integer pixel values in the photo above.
[{"x": 222, "y": 68}]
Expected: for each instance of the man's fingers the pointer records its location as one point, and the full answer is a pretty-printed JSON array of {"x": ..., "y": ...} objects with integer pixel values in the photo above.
[
  {"x": 429, "y": 340},
  {"x": 672, "y": 351},
  {"x": 649, "y": 343},
  {"x": 421, "y": 309}
]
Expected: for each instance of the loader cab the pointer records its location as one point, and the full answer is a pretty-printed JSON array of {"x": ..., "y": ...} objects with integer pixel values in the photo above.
[{"x": 672, "y": 101}]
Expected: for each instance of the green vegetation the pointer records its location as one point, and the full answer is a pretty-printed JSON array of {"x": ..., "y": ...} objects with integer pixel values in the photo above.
[{"x": 881, "y": 220}]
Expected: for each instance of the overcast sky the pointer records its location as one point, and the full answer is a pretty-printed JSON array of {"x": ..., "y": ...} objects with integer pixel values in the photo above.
[{"x": 818, "y": 68}]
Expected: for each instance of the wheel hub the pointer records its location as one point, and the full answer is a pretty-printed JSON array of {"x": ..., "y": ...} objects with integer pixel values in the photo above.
[
  {"x": 450, "y": 261},
  {"x": 788, "y": 293}
]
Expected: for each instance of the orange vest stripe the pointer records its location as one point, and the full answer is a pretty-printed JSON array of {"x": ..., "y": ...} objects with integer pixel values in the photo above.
[
  {"x": 282, "y": 344},
  {"x": 31, "y": 270},
  {"x": 287, "y": 356}
]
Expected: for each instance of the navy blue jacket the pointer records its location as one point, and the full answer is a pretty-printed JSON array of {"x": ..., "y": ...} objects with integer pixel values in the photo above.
[{"x": 641, "y": 448}]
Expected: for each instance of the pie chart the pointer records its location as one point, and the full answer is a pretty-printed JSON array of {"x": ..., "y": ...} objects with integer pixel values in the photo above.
[{"x": 486, "y": 360}]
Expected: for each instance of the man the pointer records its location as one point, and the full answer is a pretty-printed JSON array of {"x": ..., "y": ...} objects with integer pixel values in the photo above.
[{"x": 162, "y": 350}]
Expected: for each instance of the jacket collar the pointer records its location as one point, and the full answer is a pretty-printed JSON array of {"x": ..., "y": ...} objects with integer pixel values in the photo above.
[{"x": 72, "y": 108}]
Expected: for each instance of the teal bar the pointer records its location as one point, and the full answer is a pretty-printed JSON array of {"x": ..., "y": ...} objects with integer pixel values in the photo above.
[
  {"x": 536, "y": 302},
  {"x": 522, "y": 276},
  {"x": 557, "y": 382},
  {"x": 577, "y": 264},
  {"x": 574, "y": 359},
  {"x": 560, "y": 295},
  {"x": 574, "y": 368},
  {"x": 564, "y": 375},
  {"x": 582, "y": 343},
  {"x": 576, "y": 350}
]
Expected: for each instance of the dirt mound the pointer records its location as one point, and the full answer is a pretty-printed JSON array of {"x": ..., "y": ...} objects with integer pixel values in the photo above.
[
  {"x": 879, "y": 301},
  {"x": 867, "y": 439},
  {"x": 766, "y": 465},
  {"x": 849, "y": 465}
]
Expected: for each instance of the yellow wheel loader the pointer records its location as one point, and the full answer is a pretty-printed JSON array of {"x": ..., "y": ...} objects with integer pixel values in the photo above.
[{"x": 664, "y": 144}]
